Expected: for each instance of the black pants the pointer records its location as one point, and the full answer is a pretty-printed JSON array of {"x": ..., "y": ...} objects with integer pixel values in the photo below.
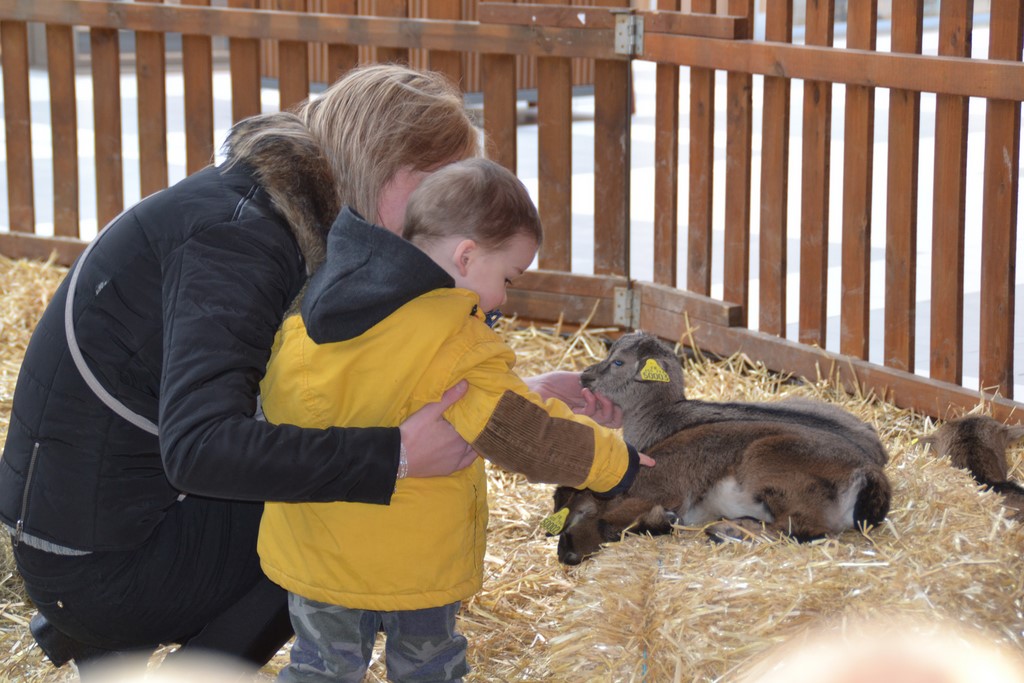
[{"x": 196, "y": 581}]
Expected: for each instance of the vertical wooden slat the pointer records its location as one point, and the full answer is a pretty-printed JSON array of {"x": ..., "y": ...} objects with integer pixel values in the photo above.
[
  {"x": 901, "y": 200},
  {"x": 554, "y": 149},
  {"x": 499, "y": 90},
  {"x": 666, "y": 167},
  {"x": 739, "y": 136},
  {"x": 949, "y": 202},
  {"x": 858, "y": 159},
  {"x": 999, "y": 213},
  {"x": 106, "y": 107},
  {"x": 60, "y": 61},
  {"x": 391, "y": 8},
  {"x": 702, "y": 158},
  {"x": 150, "y": 74},
  {"x": 817, "y": 133},
  {"x": 244, "y": 62},
  {"x": 341, "y": 58},
  {"x": 775, "y": 180},
  {"x": 18, "y": 126},
  {"x": 448, "y": 62},
  {"x": 292, "y": 63},
  {"x": 611, "y": 167},
  {"x": 197, "y": 67},
  {"x": 612, "y": 113}
]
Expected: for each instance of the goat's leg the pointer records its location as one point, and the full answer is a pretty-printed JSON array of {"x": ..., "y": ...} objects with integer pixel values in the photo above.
[
  {"x": 1013, "y": 497},
  {"x": 747, "y": 529},
  {"x": 799, "y": 526},
  {"x": 636, "y": 515}
]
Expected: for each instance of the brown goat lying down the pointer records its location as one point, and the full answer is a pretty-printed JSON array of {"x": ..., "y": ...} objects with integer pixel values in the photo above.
[
  {"x": 978, "y": 443},
  {"x": 799, "y": 467}
]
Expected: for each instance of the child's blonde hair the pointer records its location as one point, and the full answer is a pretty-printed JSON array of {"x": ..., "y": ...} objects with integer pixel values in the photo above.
[{"x": 476, "y": 198}]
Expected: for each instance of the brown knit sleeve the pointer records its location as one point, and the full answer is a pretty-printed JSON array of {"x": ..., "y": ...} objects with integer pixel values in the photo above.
[{"x": 522, "y": 437}]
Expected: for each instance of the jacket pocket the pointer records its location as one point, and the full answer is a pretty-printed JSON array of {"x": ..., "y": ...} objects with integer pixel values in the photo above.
[{"x": 19, "y": 526}]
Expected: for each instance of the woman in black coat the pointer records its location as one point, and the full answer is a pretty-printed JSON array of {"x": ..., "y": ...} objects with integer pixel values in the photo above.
[{"x": 136, "y": 462}]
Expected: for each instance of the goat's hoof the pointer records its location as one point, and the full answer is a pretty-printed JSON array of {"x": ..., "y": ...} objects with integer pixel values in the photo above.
[{"x": 745, "y": 530}]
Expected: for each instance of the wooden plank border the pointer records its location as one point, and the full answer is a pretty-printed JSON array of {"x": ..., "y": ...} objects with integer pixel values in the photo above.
[
  {"x": 995, "y": 78},
  {"x": 312, "y": 27}
]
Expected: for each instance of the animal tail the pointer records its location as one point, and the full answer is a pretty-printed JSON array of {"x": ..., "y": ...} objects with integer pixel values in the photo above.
[
  {"x": 873, "y": 498},
  {"x": 1006, "y": 487}
]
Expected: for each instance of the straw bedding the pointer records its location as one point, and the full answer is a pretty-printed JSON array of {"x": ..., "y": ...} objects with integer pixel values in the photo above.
[{"x": 940, "y": 581}]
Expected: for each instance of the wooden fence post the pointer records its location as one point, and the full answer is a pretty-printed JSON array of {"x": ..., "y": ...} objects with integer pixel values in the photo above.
[
  {"x": 105, "y": 55},
  {"x": 999, "y": 214},
  {"x": 817, "y": 134},
  {"x": 948, "y": 202},
  {"x": 775, "y": 180},
  {"x": 702, "y": 171},
  {"x": 739, "y": 139},
  {"x": 901, "y": 199},
  {"x": 197, "y": 68},
  {"x": 18, "y": 126},
  {"x": 151, "y": 76},
  {"x": 60, "y": 63},
  {"x": 666, "y": 164},
  {"x": 858, "y": 160}
]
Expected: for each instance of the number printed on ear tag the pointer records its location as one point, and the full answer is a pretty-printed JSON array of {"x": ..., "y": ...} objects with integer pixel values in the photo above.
[
  {"x": 652, "y": 372},
  {"x": 553, "y": 524}
]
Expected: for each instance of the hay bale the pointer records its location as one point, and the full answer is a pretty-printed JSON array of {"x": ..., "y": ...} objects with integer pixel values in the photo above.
[
  {"x": 26, "y": 287},
  {"x": 673, "y": 608}
]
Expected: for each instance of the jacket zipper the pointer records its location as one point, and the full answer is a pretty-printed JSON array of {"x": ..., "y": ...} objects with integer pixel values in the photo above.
[{"x": 20, "y": 525}]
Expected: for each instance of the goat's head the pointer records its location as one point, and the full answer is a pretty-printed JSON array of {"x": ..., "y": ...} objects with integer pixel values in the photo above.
[
  {"x": 640, "y": 370},
  {"x": 590, "y": 522}
]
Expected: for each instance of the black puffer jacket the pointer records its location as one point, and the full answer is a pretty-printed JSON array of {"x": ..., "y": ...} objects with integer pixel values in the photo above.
[{"x": 175, "y": 311}]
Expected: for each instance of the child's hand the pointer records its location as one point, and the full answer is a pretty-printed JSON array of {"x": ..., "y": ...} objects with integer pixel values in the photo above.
[
  {"x": 602, "y": 411},
  {"x": 566, "y": 387}
]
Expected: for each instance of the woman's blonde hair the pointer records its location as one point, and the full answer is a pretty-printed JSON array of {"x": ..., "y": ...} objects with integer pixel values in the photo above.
[{"x": 381, "y": 118}]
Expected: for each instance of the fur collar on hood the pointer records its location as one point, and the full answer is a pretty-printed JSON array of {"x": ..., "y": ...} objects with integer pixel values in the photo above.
[{"x": 293, "y": 169}]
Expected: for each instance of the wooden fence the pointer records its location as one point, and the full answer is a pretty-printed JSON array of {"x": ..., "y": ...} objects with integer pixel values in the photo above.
[
  {"x": 710, "y": 37},
  {"x": 465, "y": 67}
]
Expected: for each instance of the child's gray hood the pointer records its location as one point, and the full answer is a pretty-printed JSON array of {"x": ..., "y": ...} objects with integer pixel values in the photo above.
[{"x": 368, "y": 274}]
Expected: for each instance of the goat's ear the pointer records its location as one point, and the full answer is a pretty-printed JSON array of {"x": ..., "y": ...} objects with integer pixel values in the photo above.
[
  {"x": 1014, "y": 433},
  {"x": 650, "y": 370},
  {"x": 563, "y": 494}
]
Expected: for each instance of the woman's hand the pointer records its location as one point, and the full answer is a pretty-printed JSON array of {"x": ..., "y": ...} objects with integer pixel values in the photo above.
[
  {"x": 566, "y": 387},
  {"x": 432, "y": 446}
]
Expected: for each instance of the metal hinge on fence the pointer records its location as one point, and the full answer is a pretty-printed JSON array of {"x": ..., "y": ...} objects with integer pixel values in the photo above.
[
  {"x": 627, "y": 307},
  {"x": 629, "y": 33}
]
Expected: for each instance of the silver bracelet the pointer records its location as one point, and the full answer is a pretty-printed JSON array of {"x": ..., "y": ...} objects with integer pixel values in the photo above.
[{"x": 403, "y": 462}]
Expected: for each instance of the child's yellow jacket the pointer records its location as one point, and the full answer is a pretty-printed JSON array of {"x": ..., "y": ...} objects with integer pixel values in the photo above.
[{"x": 426, "y": 548}]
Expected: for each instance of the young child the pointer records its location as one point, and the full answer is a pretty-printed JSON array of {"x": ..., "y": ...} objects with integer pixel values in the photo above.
[{"x": 354, "y": 568}]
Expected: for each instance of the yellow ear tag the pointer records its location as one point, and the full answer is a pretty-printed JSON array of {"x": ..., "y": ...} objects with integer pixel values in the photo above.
[
  {"x": 652, "y": 372},
  {"x": 553, "y": 524},
  {"x": 913, "y": 441}
]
